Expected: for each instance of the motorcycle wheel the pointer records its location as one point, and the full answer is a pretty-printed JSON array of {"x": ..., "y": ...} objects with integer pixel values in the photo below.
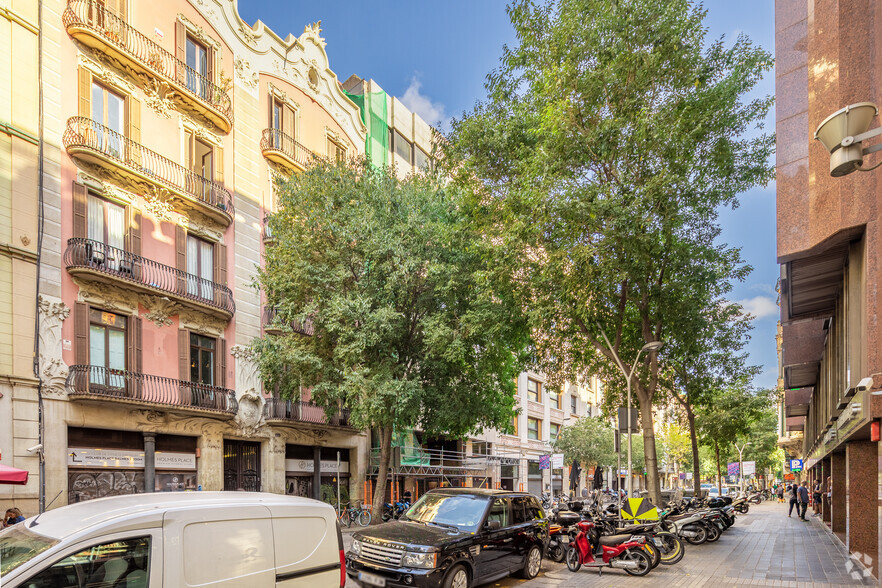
[
  {"x": 672, "y": 549},
  {"x": 644, "y": 565},
  {"x": 713, "y": 533},
  {"x": 556, "y": 553},
  {"x": 701, "y": 536},
  {"x": 573, "y": 563},
  {"x": 744, "y": 509},
  {"x": 654, "y": 554}
]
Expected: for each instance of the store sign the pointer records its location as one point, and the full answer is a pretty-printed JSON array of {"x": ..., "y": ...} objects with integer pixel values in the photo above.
[
  {"x": 795, "y": 465},
  {"x": 84, "y": 457},
  {"x": 308, "y": 465},
  {"x": 557, "y": 461},
  {"x": 749, "y": 468}
]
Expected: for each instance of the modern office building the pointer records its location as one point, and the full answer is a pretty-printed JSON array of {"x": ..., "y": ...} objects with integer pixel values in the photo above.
[{"x": 829, "y": 251}]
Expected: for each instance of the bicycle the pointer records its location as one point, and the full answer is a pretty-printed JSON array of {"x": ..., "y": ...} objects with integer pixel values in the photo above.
[{"x": 357, "y": 514}]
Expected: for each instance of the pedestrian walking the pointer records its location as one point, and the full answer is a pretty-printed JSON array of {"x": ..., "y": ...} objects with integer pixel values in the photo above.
[
  {"x": 13, "y": 516},
  {"x": 816, "y": 497},
  {"x": 803, "y": 496},
  {"x": 791, "y": 497},
  {"x": 780, "y": 492}
]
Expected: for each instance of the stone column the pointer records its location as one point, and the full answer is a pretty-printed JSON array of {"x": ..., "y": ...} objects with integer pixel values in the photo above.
[
  {"x": 149, "y": 462},
  {"x": 862, "y": 469},
  {"x": 274, "y": 470},
  {"x": 210, "y": 465},
  {"x": 826, "y": 501},
  {"x": 839, "y": 499}
]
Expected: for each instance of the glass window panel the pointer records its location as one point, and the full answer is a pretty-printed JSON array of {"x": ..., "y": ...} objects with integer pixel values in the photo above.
[
  {"x": 125, "y": 562},
  {"x": 207, "y": 263},
  {"x": 96, "y": 219},
  {"x": 97, "y": 103},
  {"x": 403, "y": 147},
  {"x": 116, "y": 352},
  {"x": 207, "y": 361},
  {"x": 192, "y": 265},
  {"x": 97, "y": 342},
  {"x": 115, "y": 117},
  {"x": 116, "y": 222}
]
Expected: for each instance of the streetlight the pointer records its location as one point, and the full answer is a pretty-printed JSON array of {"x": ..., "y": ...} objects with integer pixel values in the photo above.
[
  {"x": 651, "y": 346},
  {"x": 553, "y": 445},
  {"x": 740, "y": 465}
]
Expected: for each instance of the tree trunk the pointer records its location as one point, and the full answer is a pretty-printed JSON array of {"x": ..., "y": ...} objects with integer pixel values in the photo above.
[
  {"x": 719, "y": 471},
  {"x": 649, "y": 455},
  {"x": 696, "y": 465},
  {"x": 382, "y": 474}
]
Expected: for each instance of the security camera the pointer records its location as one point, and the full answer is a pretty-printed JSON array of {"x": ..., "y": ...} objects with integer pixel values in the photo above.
[
  {"x": 36, "y": 448},
  {"x": 865, "y": 384}
]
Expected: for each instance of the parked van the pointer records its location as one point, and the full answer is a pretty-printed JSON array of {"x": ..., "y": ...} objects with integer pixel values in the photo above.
[{"x": 217, "y": 539}]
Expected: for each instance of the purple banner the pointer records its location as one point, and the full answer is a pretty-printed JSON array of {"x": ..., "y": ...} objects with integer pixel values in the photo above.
[
  {"x": 733, "y": 469},
  {"x": 544, "y": 462}
]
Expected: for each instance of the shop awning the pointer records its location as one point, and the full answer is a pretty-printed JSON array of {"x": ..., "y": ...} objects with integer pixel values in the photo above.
[{"x": 10, "y": 475}]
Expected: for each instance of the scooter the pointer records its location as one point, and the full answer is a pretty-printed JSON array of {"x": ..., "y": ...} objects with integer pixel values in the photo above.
[
  {"x": 615, "y": 551},
  {"x": 561, "y": 533}
]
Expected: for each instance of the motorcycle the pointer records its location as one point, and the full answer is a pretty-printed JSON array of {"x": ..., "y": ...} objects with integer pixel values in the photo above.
[
  {"x": 394, "y": 511},
  {"x": 615, "y": 551},
  {"x": 561, "y": 534}
]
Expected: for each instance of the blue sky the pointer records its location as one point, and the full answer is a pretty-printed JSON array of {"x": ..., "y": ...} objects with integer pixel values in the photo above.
[{"x": 435, "y": 55}]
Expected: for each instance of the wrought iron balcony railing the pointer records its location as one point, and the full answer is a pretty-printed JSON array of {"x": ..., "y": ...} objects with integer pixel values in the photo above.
[
  {"x": 283, "y": 149},
  {"x": 92, "y": 381},
  {"x": 278, "y": 409},
  {"x": 88, "y": 256},
  {"x": 91, "y": 23},
  {"x": 140, "y": 168},
  {"x": 271, "y": 324}
]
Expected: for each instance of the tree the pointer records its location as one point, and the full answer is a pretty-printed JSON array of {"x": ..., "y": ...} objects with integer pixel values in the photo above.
[
  {"x": 674, "y": 443},
  {"x": 590, "y": 441},
  {"x": 408, "y": 326},
  {"x": 611, "y": 136}
]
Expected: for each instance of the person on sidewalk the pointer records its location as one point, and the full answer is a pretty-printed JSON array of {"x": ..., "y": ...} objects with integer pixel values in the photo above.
[
  {"x": 803, "y": 495},
  {"x": 780, "y": 492},
  {"x": 792, "y": 499},
  {"x": 816, "y": 497}
]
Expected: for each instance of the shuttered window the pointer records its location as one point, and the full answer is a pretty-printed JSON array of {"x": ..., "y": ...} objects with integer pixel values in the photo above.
[
  {"x": 202, "y": 352},
  {"x": 200, "y": 266},
  {"x": 106, "y": 222}
]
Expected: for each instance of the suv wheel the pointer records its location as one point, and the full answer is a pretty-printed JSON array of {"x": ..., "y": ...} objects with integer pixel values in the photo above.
[
  {"x": 458, "y": 577},
  {"x": 532, "y": 563}
]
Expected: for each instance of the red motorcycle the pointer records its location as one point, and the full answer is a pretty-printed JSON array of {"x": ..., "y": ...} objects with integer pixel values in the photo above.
[{"x": 614, "y": 551}]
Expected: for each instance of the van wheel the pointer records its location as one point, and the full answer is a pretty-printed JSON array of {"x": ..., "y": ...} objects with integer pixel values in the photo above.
[
  {"x": 458, "y": 577},
  {"x": 532, "y": 563}
]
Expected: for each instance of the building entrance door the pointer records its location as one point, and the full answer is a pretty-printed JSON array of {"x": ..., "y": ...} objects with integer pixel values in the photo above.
[{"x": 241, "y": 465}]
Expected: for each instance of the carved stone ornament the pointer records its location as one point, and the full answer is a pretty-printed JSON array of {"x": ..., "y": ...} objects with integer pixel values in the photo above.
[
  {"x": 249, "y": 78},
  {"x": 105, "y": 69},
  {"x": 146, "y": 417},
  {"x": 313, "y": 32},
  {"x": 107, "y": 296},
  {"x": 157, "y": 96},
  {"x": 160, "y": 309},
  {"x": 202, "y": 323},
  {"x": 198, "y": 32},
  {"x": 207, "y": 135},
  {"x": 248, "y": 34},
  {"x": 312, "y": 78},
  {"x": 159, "y": 203},
  {"x": 53, "y": 370},
  {"x": 201, "y": 226}
]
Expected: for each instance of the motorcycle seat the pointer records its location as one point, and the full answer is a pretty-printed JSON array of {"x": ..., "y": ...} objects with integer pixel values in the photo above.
[
  {"x": 681, "y": 516},
  {"x": 611, "y": 540}
]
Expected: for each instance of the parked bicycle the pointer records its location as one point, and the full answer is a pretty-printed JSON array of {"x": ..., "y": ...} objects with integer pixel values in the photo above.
[{"x": 352, "y": 513}]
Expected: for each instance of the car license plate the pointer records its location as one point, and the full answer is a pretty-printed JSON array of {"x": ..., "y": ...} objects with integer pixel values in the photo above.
[
  {"x": 564, "y": 539},
  {"x": 657, "y": 541},
  {"x": 371, "y": 579}
]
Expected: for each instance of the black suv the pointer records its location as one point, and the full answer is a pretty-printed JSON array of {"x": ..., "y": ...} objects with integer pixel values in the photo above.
[{"x": 453, "y": 538}]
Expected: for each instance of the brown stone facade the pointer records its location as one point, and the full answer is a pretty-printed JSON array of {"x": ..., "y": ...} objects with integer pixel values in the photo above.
[{"x": 829, "y": 250}]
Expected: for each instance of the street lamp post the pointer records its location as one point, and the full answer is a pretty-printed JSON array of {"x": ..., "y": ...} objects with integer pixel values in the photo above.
[
  {"x": 741, "y": 463},
  {"x": 553, "y": 445},
  {"x": 651, "y": 346}
]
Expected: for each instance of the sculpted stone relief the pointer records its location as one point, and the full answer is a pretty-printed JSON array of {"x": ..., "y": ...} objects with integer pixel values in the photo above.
[
  {"x": 249, "y": 78},
  {"x": 107, "y": 296},
  {"x": 157, "y": 95},
  {"x": 53, "y": 370},
  {"x": 160, "y": 310},
  {"x": 250, "y": 414}
]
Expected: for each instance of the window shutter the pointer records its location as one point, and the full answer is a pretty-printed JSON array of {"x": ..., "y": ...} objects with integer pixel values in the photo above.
[
  {"x": 121, "y": 9},
  {"x": 184, "y": 355},
  {"x": 272, "y": 103},
  {"x": 81, "y": 333},
  {"x": 85, "y": 92},
  {"x": 220, "y": 364},
  {"x": 80, "y": 211},
  {"x": 181, "y": 50},
  {"x": 133, "y": 224},
  {"x": 288, "y": 122},
  {"x": 134, "y": 130},
  {"x": 181, "y": 258},
  {"x": 220, "y": 264},
  {"x": 133, "y": 345},
  {"x": 218, "y": 161},
  {"x": 209, "y": 58}
]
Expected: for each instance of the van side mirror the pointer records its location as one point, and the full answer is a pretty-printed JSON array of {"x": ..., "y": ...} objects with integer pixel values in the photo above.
[{"x": 492, "y": 526}]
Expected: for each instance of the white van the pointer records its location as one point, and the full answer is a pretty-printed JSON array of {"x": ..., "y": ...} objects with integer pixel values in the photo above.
[{"x": 228, "y": 539}]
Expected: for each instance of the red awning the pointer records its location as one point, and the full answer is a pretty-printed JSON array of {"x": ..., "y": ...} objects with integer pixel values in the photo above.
[{"x": 10, "y": 475}]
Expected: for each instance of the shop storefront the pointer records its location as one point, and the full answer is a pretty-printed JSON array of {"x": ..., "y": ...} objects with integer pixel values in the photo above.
[
  {"x": 534, "y": 478},
  {"x": 112, "y": 463},
  {"x": 508, "y": 476},
  {"x": 301, "y": 473}
]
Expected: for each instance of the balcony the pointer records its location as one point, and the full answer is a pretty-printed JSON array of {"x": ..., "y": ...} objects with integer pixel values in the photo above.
[
  {"x": 284, "y": 150},
  {"x": 289, "y": 411},
  {"x": 133, "y": 166},
  {"x": 91, "y": 382},
  {"x": 272, "y": 326},
  {"x": 88, "y": 22},
  {"x": 104, "y": 263}
]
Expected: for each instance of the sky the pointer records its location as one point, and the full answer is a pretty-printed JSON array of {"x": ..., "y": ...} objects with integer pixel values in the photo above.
[{"x": 434, "y": 56}]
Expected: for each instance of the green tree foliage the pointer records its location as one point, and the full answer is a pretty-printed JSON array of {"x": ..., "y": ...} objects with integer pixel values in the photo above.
[
  {"x": 613, "y": 132},
  {"x": 674, "y": 444},
  {"x": 409, "y": 328},
  {"x": 590, "y": 441}
]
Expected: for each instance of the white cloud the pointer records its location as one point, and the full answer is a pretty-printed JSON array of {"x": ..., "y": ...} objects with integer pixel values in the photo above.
[
  {"x": 764, "y": 288},
  {"x": 431, "y": 112},
  {"x": 760, "y": 306}
]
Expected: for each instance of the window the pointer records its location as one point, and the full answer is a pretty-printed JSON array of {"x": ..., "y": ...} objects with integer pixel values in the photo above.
[
  {"x": 499, "y": 512},
  {"x": 554, "y": 399},
  {"x": 403, "y": 148},
  {"x": 421, "y": 159},
  {"x": 202, "y": 359},
  {"x": 553, "y": 431},
  {"x": 573, "y": 404},
  {"x": 198, "y": 73},
  {"x": 534, "y": 390},
  {"x": 336, "y": 151},
  {"x": 123, "y": 562},
  {"x": 108, "y": 112},
  {"x": 514, "y": 425},
  {"x": 282, "y": 122},
  {"x": 107, "y": 348},
  {"x": 200, "y": 267},
  {"x": 534, "y": 428},
  {"x": 106, "y": 222},
  {"x": 200, "y": 161},
  {"x": 588, "y": 410}
]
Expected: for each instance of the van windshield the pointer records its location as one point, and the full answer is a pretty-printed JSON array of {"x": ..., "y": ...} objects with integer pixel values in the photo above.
[
  {"x": 18, "y": 545},
  {"x": 463, "y": 512}
]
